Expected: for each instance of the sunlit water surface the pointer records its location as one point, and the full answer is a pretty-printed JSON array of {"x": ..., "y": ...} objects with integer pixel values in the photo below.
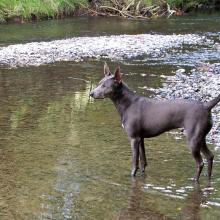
[{"x": 65, "y": 156}]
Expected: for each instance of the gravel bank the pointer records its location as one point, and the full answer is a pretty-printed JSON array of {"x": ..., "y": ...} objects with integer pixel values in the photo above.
[
  {"x": 202, "y": 83},
  {"x": 112, "y": 47}
]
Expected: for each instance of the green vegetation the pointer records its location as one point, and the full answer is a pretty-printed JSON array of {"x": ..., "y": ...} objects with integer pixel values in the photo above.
[
  {"x": 191, "y": 4},
  {"x": 25, "y": 10},
  {"x": 37, "y": 9}
]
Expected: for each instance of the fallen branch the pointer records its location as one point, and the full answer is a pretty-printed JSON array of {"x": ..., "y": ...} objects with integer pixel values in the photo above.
[
  {"x": 169, "y": 11},
  {"x": 135, "y": 9},
  {"x": 93, "y": 11},
  {"x": 123, "y": 13},
  {"x": 129, "y": 5}
]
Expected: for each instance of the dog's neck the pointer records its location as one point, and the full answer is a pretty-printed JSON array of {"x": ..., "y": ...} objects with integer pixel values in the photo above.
[{"x": 122, "y": 98}]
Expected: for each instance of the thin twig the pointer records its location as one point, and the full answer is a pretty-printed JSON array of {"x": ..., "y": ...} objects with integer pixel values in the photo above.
[{"x": 124, "y": 14}]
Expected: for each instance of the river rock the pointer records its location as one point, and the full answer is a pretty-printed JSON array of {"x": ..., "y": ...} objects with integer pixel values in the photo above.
[
  {"x": 115, "y": 47},
  {"x": 203, "y": 84}
]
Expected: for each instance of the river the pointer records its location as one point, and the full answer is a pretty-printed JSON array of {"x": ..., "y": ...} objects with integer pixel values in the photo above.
[{"x": 65, "y": 156}]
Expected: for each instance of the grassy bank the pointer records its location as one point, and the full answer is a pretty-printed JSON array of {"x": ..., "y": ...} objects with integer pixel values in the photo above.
[
  {"x": 37, "y": 9},
  {"x": 26, "y": 10}
]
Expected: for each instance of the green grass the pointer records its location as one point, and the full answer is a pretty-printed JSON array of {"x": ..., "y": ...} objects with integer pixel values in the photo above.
[{"x": 37, "y": 8}]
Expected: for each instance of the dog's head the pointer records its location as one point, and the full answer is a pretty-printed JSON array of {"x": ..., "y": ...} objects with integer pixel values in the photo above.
[{"x": 108, "y": 85}]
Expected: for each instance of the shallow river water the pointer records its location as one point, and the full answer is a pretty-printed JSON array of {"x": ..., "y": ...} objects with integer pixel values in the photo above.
[{"x": 65, "y": 156}]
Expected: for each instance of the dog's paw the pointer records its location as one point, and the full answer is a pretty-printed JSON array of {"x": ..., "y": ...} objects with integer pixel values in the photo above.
[
  {"x": 143, "y": 172},
  {"x": 133, "y": 172},
  {"x": 195, "y": 179}
]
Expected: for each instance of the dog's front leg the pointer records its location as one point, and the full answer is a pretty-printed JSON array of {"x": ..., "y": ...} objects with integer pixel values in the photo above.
[
  {"x": 135, "y": 155},
  {"x": 143, "y": 160}
]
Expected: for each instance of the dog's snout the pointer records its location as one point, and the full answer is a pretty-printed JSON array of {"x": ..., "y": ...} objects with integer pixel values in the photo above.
[{"x": 91, "y": 94}]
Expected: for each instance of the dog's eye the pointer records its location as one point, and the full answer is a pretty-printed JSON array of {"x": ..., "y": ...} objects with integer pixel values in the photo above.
[{"x": 103, "y": 86}]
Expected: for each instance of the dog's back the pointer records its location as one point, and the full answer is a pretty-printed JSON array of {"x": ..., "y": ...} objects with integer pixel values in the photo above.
[{"x": 147, "y": 117}]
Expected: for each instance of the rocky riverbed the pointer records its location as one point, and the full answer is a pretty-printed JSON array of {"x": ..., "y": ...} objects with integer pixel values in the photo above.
[
  {"x": 114, "y": 47},
  {"x": 201, "y": 83}
]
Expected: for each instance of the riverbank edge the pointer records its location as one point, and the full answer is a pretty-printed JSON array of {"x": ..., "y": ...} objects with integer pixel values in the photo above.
[{"x": 91, "y": 10}]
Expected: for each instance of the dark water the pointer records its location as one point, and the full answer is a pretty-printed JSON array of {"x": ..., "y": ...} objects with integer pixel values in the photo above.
[
  {"x": 60, "y": 29},
  {"x": 65, "y": 156}
]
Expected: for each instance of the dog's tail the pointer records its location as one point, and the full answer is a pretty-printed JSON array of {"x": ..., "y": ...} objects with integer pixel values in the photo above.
[{"x": 209, "y": 105}]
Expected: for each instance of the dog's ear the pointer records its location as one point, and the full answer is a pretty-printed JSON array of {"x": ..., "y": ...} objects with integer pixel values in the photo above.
[
  {"x": 118, "y": 75},
  {"x": 106, "y": 70}
]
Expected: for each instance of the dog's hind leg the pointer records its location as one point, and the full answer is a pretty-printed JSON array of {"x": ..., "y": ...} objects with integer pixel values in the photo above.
[
  {"x": 209, "y": 157},
  {"x": 195, "y": 144},
  {"x": 135, "y": 155},
  {"x": 198, "y": 158},
  {"x": 143, "y": 160}
]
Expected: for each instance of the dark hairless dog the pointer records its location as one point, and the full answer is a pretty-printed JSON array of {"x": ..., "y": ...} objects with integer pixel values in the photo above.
[{"x": 142, "y": 117}]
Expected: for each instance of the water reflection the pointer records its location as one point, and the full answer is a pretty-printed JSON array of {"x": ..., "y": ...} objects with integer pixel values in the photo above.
[
  {"x": 8, "y": 177},
  {"x": 138, "y": 207},
  {"x": 193, "y": 203},
  {"x": 63, "y": 156},
  {"x": 57, "y": 29}
]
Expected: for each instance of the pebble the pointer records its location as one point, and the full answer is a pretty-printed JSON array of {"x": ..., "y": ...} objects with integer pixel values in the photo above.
[
  {"x": 201, "y": 83},
  {"x": 114, "y": 47}
]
